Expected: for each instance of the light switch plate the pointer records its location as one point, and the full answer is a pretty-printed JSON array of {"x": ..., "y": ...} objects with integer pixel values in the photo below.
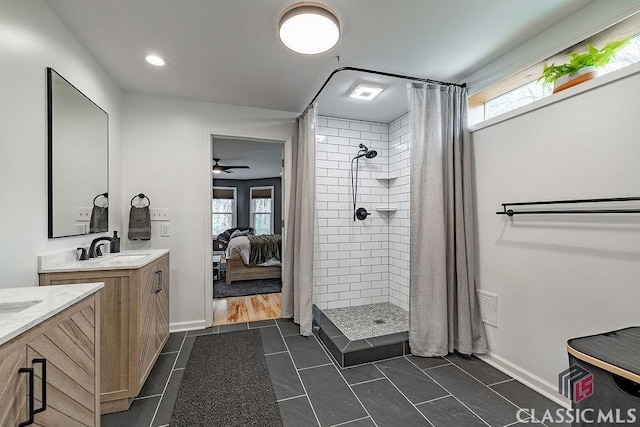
[
  {"x": 158, "y": 214},
  {"x": 83, "y": 214},
  {"x": 165, "y": 229}
]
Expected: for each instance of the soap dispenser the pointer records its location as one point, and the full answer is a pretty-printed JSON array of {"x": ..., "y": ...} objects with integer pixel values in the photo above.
[{"x": 114, "y": 246}]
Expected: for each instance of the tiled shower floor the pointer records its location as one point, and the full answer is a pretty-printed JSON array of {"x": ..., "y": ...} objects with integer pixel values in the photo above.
[{"x": 368, "y": 321}]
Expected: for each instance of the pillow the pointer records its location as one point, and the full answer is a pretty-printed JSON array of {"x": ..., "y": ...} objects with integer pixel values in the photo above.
[{"x": 224, "y": 237}]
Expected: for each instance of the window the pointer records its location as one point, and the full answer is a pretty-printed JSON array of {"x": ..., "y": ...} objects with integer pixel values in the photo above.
[
  {"x": 262, "y": 209},
  {"x": 516, "y": 98},
  {"x": 223, "y": 208},
  {"x": 524, "y": 88}
]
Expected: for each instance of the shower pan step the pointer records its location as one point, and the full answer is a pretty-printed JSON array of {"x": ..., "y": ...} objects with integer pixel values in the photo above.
[{"x": 349, "y": 352}]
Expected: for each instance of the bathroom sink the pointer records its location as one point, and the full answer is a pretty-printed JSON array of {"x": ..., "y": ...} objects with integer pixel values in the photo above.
[
  {"x": 128, "y": 257},
  {"x": 8, "y": 309}
]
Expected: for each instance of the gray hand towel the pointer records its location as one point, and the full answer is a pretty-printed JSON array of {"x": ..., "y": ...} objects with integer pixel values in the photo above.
[
  {"x": 99, "y": 219},
  {"x": 139, "y": 223}
]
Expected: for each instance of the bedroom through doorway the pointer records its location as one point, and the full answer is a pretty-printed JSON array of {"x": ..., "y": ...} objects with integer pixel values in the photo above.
[{"x": 246, "y": 217}]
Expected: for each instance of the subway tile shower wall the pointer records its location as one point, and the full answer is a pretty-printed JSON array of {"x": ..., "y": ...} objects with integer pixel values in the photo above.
[{"x": 361, "y": 262}]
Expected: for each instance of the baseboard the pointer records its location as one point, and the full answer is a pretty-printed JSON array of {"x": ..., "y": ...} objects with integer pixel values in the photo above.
[
  {"x": 187, "y": 326},
  {"x": 533, "y": 381}
]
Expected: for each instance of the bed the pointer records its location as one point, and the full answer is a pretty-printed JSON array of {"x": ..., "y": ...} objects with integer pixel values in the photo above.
[{"x": 253, "y": 257}]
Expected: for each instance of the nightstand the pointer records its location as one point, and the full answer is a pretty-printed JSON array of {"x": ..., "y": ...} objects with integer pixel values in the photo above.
[{"x": 217, "y": 272}]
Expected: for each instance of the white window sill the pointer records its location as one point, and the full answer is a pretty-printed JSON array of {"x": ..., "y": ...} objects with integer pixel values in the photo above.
[{"x": 557, "y": 97}]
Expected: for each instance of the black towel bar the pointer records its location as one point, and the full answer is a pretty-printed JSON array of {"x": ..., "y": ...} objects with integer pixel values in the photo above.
[
  {"x": 141, "y": 196},
  {"x": 511, "y": 212}
]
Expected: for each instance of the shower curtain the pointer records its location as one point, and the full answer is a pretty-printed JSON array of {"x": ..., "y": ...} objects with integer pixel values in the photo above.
[
  {"x": 444, "y": 312},
  {"x": 297, "y": 267}
]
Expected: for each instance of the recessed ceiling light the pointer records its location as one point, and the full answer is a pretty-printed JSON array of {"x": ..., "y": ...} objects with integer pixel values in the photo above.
[
  {"x": 309, "y": 28},
  {"x": 156, "y": 60},
  {"x": 366, "y": 92}
]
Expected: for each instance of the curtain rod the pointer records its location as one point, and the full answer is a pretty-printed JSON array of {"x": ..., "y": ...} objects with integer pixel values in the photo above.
[{"x": 381, "y": 73}]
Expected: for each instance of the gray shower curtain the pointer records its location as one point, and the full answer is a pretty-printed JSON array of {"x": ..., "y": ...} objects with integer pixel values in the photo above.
[
  {"x": 444, "y": 312},
  {"x": 297, "y": 266}
]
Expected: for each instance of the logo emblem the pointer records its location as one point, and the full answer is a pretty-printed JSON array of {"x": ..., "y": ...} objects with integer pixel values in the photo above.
[{"x": 576, "y": 383}]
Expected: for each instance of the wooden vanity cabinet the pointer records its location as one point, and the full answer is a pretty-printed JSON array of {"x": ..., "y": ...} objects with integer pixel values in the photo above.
[
  {"x": 134, "y": 326},
  {"x": 62, "y": 351},
  {"x": 13, "y": 386},
  {"x": 153, "y": 319}
]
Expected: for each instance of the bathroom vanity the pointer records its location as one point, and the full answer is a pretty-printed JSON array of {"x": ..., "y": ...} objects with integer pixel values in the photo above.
[
  {"x": 135, "y": 315},
  {"x": 49, "y": 355}
]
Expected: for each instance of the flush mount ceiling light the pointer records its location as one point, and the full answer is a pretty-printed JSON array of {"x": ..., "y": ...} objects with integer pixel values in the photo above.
[
  {"x": 309, "y": 28},
  {"x": 156, "y": 60},
  {"x": 365, "y": 92}
]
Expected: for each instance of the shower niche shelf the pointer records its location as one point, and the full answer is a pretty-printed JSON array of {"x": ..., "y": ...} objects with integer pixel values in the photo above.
[
  {"x": 386, "y": 177},
  {"x": 387, "y": 209}
]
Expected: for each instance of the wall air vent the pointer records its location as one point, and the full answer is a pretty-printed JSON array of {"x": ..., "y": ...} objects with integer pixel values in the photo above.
[{"x": 488, "y": 307}]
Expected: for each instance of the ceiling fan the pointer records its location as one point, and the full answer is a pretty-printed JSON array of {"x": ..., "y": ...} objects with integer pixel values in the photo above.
[{"x": 219, "y": 168}]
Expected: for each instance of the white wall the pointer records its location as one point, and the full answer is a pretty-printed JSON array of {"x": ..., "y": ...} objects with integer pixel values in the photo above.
[
  {"x": 31, "y": 39},
  {"x": 361, "y": 262},
  {"x": 559, "y": 277},
  {"x": 351, "y": 257},
  {"x": 166, "y": 156}
]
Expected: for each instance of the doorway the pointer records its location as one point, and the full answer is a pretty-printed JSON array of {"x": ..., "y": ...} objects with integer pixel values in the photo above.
[{"x": 247, "y": 206}]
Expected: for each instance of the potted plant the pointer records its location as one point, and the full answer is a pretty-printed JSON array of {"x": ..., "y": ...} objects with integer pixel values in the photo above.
[{"x": 581, "y": 67}]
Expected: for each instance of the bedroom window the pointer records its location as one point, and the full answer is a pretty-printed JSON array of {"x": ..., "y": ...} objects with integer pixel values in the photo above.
[
  {"x": 223, "y": 208},
  {"x": 262, "y": 209}
]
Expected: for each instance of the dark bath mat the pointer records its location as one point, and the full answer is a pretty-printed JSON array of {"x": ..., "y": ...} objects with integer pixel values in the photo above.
[
  {"x": 226, "y": 383},
  {"x": 246, "y": 287}
]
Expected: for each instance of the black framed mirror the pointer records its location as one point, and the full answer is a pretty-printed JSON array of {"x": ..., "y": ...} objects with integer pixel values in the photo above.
[{"x": 78, "y": 154}]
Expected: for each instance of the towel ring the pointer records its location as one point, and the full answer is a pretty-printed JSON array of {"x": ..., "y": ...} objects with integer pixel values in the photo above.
[
  {"x": 105, "y": 195},
  {"x": 141, "y": 196}
]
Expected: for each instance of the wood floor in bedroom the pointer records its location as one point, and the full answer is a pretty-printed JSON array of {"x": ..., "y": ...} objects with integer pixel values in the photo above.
[{"x": 246, "y": 309}]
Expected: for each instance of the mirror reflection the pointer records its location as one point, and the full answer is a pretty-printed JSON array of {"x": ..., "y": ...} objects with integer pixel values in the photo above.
[{"x": 78, "y": 161}]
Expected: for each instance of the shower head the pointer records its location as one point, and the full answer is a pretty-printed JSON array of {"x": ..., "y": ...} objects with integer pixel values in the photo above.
[{"x": 365, "y": 152}]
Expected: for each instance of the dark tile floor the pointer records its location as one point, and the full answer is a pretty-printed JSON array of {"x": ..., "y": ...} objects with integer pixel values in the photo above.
[{"x": 312, "y": 390}]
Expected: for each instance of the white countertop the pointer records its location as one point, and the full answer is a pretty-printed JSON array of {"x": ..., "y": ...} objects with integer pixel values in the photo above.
[
  {"x": 124, "y": 260},
  {"x": 42, "y": 302}
]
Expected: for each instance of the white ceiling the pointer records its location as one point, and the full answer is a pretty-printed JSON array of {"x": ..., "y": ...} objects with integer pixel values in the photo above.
[
  {"x": 263, "y": 158},
  {"x": 392, "y": 102},
  {"x": 228, "y": 52}
]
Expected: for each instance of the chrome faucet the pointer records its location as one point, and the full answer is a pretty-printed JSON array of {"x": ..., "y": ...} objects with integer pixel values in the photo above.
[{"x": 94, "y": 250}]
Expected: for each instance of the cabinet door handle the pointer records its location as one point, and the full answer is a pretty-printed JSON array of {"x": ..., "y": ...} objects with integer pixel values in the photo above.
[
  {"x": 28, "y": 371},
  {"x": 159, "y": 287},
  {"x": 44, "y": 384}
]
